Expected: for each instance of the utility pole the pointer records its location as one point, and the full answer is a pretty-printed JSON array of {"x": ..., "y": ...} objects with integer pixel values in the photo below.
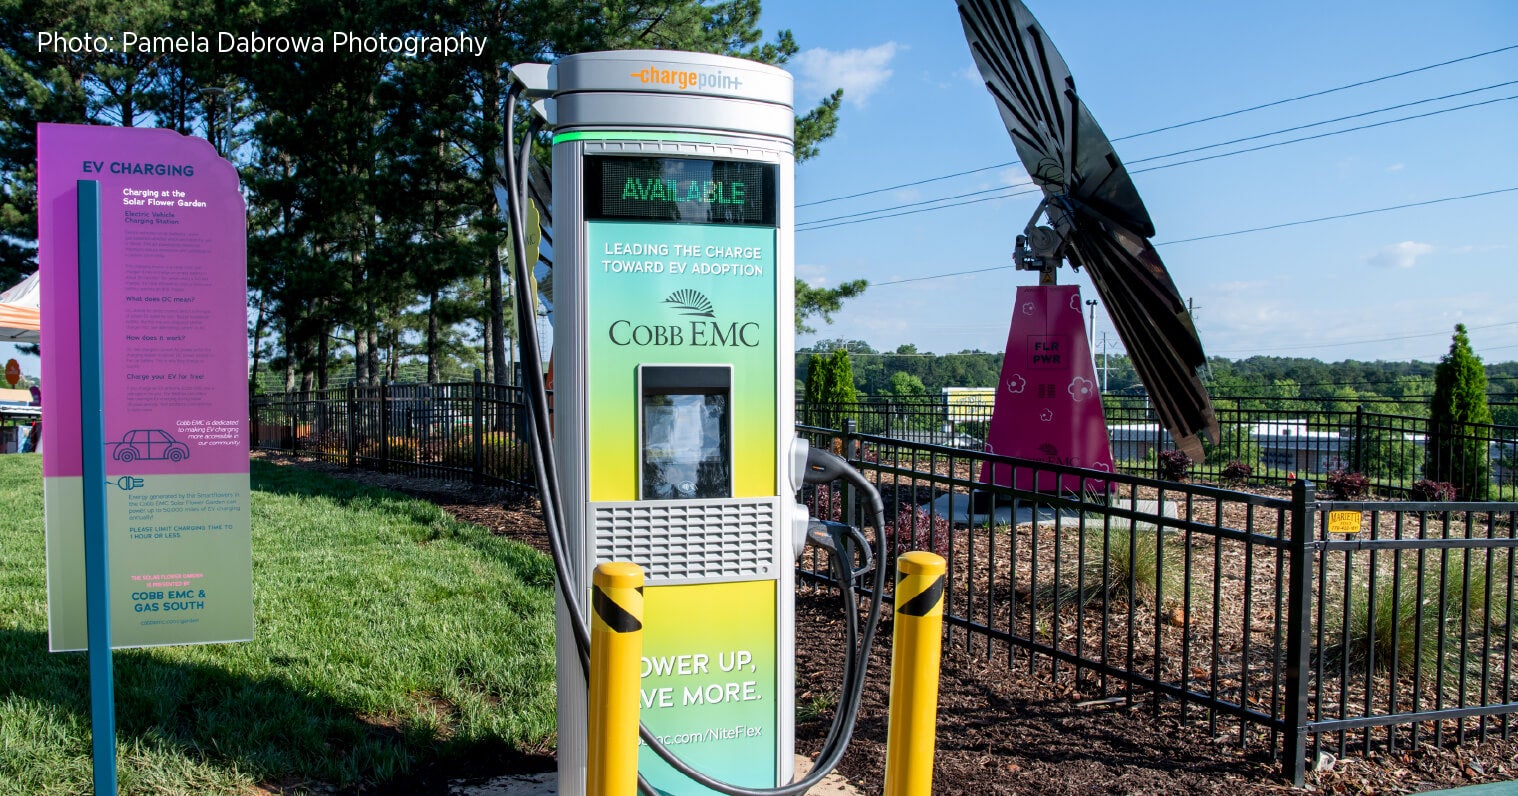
[
  {"x": 1104, "y": 361},
  {"x": 1092, "y": 304}
]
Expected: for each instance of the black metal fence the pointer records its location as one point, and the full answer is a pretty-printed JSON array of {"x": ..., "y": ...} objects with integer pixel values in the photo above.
[
  {"x": 1296, "y": 624},
  {"x": 468, "y": 431},
  {"x": 1302, "y": 439},
  {"x": 1268, "y": 618}
]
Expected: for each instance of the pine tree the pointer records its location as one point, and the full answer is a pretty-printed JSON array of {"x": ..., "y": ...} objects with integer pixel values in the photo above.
[
  {"x": 812, "y": 395},
  {"x": 840, "y": 387},
  {"x": 1457, "y": 448},
  {"x": 829, "y": 389}
]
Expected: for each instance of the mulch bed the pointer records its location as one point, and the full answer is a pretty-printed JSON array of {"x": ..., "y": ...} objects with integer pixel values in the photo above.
[{"x": 1004, "y": 728}]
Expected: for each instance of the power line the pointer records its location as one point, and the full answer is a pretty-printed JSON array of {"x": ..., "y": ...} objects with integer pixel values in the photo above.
[
  {"x": 1331, "y": 121},
  {"x": 856, "y": 218},
  {"x": 802, "y": 226},
  {"x": 1322, "y": 135},
  {"x": 1336, "y": 217},
  {"x": 910, "y": 184},
  {"x": 1021, "y": 190},
  {"x": 1381, "y": 339},
  {"x": 1319, "y": 93},
  {"x": 1186, "y": 124},
  {"x": 1226, "y": 234}
]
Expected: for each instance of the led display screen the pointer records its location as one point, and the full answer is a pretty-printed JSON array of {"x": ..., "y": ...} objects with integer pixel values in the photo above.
[{"x": 683, "y": 190}]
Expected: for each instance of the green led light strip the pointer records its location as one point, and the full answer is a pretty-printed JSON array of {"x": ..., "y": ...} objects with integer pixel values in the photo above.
[{"x": 621, "y": 135}]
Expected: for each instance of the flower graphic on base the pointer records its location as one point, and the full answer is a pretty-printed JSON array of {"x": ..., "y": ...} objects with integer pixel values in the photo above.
[
  {"x": 1047, "y": 415},
  {"x": 1075, "y": 302},
  {"x": 1016, "y": 384},
  {"x": 1081, "y": 388},
  {"x": 1103, "y": 466},
  {"x": 1027, "y": 308}
]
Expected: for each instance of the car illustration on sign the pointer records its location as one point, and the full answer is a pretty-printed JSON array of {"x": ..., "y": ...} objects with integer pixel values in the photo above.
[{"x": 150, "y": 443}]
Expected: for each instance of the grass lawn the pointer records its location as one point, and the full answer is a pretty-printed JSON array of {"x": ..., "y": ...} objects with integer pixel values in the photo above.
[{"x": 388, "y": 635}]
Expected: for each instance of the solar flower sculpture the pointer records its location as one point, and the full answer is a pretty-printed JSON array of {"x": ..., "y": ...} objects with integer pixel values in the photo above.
[{"x": 1095, "y": 219}]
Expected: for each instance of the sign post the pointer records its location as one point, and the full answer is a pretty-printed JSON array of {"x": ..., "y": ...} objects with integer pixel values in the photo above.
[{"x": 96, "y": 537}]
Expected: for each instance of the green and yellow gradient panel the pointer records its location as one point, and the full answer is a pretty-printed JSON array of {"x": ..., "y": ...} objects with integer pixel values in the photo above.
[
  {"x": 708, "y": 687},
  {"x": 676, "y": 294},
  {"x": 692, "y": 294}
]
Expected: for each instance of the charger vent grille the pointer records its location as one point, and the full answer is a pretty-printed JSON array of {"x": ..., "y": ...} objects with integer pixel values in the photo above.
[{"x": 729, "y": 539}]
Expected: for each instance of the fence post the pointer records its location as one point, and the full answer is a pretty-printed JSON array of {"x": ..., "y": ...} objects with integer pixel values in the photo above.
[
  {"x": 477, "y": 426},
  {"x": 384, "y": 407},
  {"x": 290, "y": 421},
  {"x": 1298, "y": 628},
  {"x": 352, "y": 424}
]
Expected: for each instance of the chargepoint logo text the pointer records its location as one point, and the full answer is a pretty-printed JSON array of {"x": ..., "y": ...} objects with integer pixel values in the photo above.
[
  {"x": 709, "y": 332},
  {"x": 685, "y": 79}
]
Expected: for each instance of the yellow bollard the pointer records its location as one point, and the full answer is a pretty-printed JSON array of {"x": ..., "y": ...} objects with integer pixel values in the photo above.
[
  {"x": 616, "y": 647},
  {"x": 915, "y": 651}
]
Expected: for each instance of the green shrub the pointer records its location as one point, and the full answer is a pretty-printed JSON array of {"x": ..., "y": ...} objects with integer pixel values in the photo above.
[
  {"x": 1136, "y": 565},
  {"x": 1410, "y": 629},
  {"x": 1456, "y": 451},
  {"x": 1236, "y": 446}
]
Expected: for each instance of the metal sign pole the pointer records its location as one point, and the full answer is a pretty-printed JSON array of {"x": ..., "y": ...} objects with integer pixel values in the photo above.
[{"x": 92, "y": 445}]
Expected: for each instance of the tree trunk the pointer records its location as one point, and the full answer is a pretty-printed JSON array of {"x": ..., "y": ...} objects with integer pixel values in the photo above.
[
  {"x": 375, "y": 369},
  {"x": 323, "y": 349},
  {"x": 361, "y": 357},
  {"x": 486, "y": 335},
  {"x": 290, "y": 354},
  {"x": 258, "y": 335},
  {"x": 497, "y": 320},
  {"x": 432, "y": 332}
]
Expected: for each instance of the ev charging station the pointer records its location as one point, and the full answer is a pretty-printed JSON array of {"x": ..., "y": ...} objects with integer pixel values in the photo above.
[{"x": 673, "y": 408}]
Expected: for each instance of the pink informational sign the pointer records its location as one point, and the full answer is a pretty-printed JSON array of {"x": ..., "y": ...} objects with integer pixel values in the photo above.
[
  {"x": 174, "y": 286},
  {"x": 1048, "y": 407}
]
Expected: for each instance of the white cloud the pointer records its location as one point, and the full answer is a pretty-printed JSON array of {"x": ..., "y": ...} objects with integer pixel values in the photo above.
[
  {"x": 972, "y": 74},
  {"x": 1014, "y": 177},
  {"x": 860, "y": 73},
  {"x": 1399, "y": 255},
  {"x": 1395, "y": 167}
]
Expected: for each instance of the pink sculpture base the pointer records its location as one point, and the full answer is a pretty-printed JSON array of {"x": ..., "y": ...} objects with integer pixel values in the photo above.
[{"x": 1048, "y": 407}]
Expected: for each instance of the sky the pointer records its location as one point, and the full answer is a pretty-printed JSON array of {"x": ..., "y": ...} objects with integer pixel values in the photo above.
[
  {"x": 1383, "y": 285},
  {"x": 1386, "y": 285}
]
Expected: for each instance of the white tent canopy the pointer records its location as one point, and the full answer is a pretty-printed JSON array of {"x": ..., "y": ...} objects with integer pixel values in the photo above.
[{"x": 20, "y": 313}]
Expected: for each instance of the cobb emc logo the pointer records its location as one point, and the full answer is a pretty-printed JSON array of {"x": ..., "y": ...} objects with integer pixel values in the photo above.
[
  {"x": 691, "y": 302},
  {"x": 694, "y": 333}
]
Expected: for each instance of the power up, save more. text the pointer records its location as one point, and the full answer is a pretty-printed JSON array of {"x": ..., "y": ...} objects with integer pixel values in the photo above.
[{"x": 697, "y": 664}]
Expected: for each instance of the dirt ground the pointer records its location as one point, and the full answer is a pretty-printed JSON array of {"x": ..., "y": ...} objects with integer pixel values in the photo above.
[{"x": 1002, "y": 728}]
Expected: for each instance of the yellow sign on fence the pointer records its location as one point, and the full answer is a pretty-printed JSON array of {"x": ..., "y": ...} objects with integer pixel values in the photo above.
[{"x": 1343, "y": 522}]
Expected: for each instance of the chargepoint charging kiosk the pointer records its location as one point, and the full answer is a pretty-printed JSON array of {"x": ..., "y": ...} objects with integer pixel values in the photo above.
[{"x": 673, "y": 408}]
